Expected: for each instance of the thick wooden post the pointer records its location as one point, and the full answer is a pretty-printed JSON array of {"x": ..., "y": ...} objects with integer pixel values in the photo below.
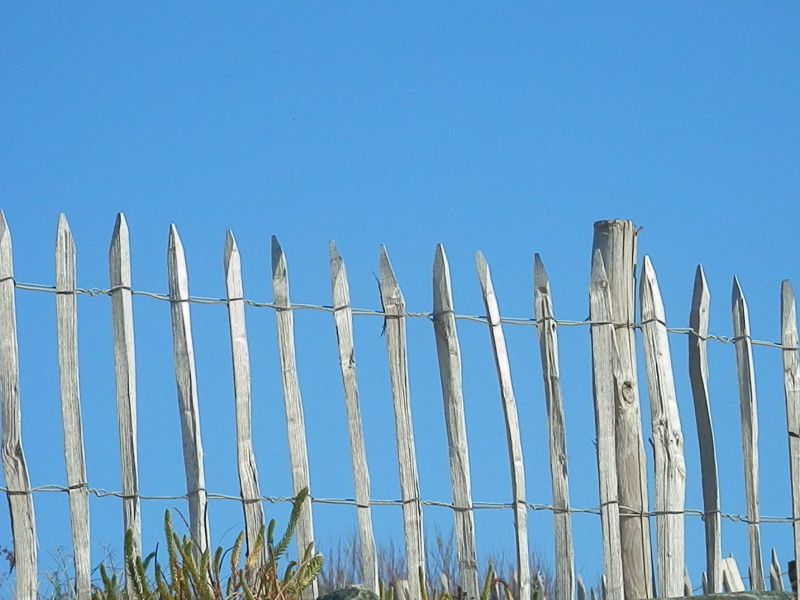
[{"x": 616, "y": 241}]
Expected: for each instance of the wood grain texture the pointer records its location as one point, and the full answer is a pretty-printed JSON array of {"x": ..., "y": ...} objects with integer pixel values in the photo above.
[
  {"x": 293, "y": 402},
  {"x": 670, "y": 465},
  {"x": 605, "y": 363},
  {"x": 343, "y": 319},
  {"x": 240, "y": 359},
  {"x": 394, "y": 306},
  {"x": 749, "y": 418},
  {"x": 616, "y": 241},
  {"x": 698, "y": 374},
  {"x": 23, "y": 521},
  {"x": 557, "y": 436},
  {"x": 67, "y": 336},
  {"x": 791, "y": 388},
  {"x": 448, "y": 352},
  {"x": 188, "y": 402},
  {"x": 119, "y": 264},
  {"x": 514, "y": 437}
]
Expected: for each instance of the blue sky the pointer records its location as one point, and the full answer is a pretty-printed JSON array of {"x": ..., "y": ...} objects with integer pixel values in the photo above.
[{"x": 507, "y": 129}]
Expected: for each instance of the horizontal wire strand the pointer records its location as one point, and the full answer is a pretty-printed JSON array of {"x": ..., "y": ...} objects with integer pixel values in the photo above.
[{"x": 366, "y": 312}]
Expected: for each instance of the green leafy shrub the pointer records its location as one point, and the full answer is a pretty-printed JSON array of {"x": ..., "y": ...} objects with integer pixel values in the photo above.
[{"x": 257, "y": 577}]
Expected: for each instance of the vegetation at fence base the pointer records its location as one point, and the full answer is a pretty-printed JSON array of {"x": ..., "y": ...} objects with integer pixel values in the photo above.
[
  {"x": 343, "y": 569},
  {"x": 257, "y": 577}
]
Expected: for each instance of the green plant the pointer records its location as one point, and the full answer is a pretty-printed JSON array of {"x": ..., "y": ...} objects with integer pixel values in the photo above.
[{"x": 257, "y": 577}]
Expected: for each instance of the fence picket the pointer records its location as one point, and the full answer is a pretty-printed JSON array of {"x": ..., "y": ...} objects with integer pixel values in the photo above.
[
  {"x": 394, "y": 305},
  {"x": 749, "y": 416},
  {"x": 119, "y": 261},
  {"x": 698, "y": 373},
  {"x": 343, "y": 318},
  {"x": 775, "y": 582},
  {"x": 448, "y": 352},
  {"x": 512, "y": 425},
  {"x": 240, "y": 357},
  {"x": 548, "y": 350},
  {"x": 616, "y": 241},
  {"x": 67, "y": 328},
  {"x": 670, "y": 466},
  {"x": 23, "y": 521},
  {"x": 791, "y": 386},
  {"x": 188, "y": 403},
  {"x": 605, "y": 363},
  {"x": 295, "y": 420}
]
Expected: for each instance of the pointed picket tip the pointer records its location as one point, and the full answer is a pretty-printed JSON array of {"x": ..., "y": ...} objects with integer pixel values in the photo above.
[
  {"x": 336, "y": 262},
  {"x": 5, "y": 244},
  {"x": 175, "y": 243},
  {"x": 231, "y": 251},
  {"x": 63, "y": 224},
  {"x": 65, "y": 243},
  {"x": 541, "y": 281},
  {"x": 701, "y": 293},
  {"x": 390, "y": 288},
  {"x": 737, "y": 296},
  {"x": 278, "y": 258},
  {"x": 484, "y": 273},
  {"x": 442, "y": 287},
  {"x": 120, "y": 234},
  {"x": 441, "y": 267}
]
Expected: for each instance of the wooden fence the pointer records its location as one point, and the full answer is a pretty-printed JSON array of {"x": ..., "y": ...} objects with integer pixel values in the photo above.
[{"x": 625, "y": 510}]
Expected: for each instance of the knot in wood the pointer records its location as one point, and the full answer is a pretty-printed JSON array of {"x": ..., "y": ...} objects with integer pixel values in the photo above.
[{"x": 627, "y": 391}]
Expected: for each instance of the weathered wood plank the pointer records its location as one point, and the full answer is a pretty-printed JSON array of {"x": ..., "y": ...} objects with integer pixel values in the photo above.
[
  {"x": 698, "y": 374},
  {"x": 616, "y": 241},
  {"x": 119, "y": 264},
  {"x": 791, "y": 387},
  {"x": 343, "y": 318},
  {"x": 23, "y": 521},
  {"x": 394, "y": 305},
  {"x": 749, "y": 417},
  {"x": 515, "y": 454},
  {"x": 776, "y": 583},
  {"x": 448, "y": 351},
  {"x": 295, "y": 419},
  {"x": 731, "y": 578},
  {"x": 67, "y": 330},
  {"x": 548, "y": 350},
  {"x": 605, "y": 362},
  {"x": 670, "y": 465},
  {"x": 188, "y": 402},
  {"x": 240, "y": 357}
]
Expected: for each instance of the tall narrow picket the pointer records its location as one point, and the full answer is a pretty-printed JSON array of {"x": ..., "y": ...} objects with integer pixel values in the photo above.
[
  {"x": 515, "y": 454},
  {"x": 119, "y": 264},
  {"x": 67, "y": 327},
  {"x": 698, "y": 373},
  {"x": 343, "y": 318},
  {"x": 448, "y": 352},
  {"x": 605, "y": 363},
  {"x": 188, "y": 403},
  {"x": 749, "y": 414},
  {"x": 557, "y": 436},
  {"x": 23, "y": 521},
  {"x": 791, "y": 387},
  {"x": 240, "y": 356},
  {"x": 670, "y": 466},
  {"x": 295, "y": 420},
  {"x": 616, "y": 241},
  {"x": 394, "y": 305}
]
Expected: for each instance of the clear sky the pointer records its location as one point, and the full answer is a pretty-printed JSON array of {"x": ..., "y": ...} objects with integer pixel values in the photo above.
[{"x": 507, "y": 129}]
